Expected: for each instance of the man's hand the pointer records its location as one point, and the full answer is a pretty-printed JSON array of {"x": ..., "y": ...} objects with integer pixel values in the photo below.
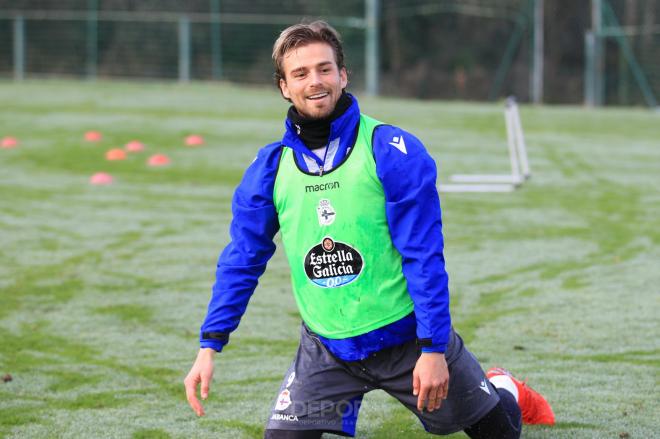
[
  {"x": 200, "y": 372},
  {"x": 430, "y": 380}
]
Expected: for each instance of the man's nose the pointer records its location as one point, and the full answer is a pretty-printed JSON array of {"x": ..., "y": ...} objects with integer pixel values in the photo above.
[{"x": 315, "y": 77}]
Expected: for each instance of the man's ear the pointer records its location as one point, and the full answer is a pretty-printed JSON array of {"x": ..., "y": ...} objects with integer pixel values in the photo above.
[
  {"x": 343, "y": 76},
  {"x": 284, "y": 89}
]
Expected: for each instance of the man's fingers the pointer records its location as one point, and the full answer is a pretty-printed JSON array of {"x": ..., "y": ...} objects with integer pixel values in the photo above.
[
  {"x": 430, "y": 379},
  {"x": 191, "y": 395},
  {"x": 205, "y": 386},
  {"x": 442, "y": 394},
  {"x": 438, "y": 400},
  {"x": 196, "y": 406},
  {"x": 421, "y": 399},
  {"x": 190, "y": 391},
  {"x": 433, "y": 395},
  {"x": 415, "y": 384},
  {"x": 444, "y": 390},
  {"x": 200, "y": 373}
]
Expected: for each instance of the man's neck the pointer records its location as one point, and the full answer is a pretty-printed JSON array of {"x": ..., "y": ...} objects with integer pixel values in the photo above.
[{"x": 315, "y": 132}]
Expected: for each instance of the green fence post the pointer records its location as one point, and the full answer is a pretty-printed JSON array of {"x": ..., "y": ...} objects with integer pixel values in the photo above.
[
  {"x": 19, "y": 48},
  {"x": 589, "y": 69},
  {"x": 622, "y": 82},
  {"x": 184, "y": 48},
  {"x": 92, "y": 38},
  {"x": 536, "y": 82},
  {"x": 598, "y": 52},
  {"x": 636, "y": 69},
  {"x": 509, "y": 53},
  {"x": 216, "y": 46},
  {"x": 371, "y": 49}
]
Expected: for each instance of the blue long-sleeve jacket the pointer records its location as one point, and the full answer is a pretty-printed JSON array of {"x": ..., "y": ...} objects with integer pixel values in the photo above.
[{"x": 408, "y": 175}]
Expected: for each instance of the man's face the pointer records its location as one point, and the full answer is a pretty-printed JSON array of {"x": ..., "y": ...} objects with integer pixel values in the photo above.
[{"x": 312, "y": 80}]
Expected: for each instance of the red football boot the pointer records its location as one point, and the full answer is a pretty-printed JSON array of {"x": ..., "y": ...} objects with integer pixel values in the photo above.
[{"x": 535, "y": 409}]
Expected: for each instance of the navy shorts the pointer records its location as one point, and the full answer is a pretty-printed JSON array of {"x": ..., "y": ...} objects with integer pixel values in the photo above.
[{"x": 322, "y": 392}]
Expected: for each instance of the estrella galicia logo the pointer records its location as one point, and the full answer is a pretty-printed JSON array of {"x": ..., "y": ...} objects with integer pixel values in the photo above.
[{"x": 333, "y": 264}]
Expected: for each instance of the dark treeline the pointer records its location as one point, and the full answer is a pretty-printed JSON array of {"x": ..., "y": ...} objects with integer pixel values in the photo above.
[{"x": 428, "y": 49}]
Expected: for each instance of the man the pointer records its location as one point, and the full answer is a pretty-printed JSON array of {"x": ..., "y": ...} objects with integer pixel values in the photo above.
[{"x": 356, "y": 203}]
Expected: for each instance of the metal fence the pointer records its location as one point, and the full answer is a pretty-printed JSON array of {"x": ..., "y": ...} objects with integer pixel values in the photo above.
[
  {"x": 211, "y": 44},
  {"x": 558, "y": 51},
  {"x": 622, "y": 53}
]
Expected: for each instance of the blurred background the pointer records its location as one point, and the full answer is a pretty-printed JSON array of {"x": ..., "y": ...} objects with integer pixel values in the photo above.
[{"x": 596, "y": 52}]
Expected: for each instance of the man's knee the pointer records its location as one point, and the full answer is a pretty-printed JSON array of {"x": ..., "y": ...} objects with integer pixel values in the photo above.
[{"x": 497, "y": 424}]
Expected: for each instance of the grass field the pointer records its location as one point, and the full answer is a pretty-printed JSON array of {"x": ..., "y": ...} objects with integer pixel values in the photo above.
[{"x": 103, "y": 289}]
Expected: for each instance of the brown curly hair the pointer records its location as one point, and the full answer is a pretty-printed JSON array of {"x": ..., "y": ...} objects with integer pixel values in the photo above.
[{"x": 303, "y": 34}]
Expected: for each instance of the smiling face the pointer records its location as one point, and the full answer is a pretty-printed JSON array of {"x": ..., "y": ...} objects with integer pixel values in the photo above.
[{"x": 312, "y": 81}]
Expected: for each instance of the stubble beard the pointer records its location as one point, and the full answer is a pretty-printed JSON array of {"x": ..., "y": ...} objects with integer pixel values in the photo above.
[
  {"x": 319, "y": 113},
  {"x": 314, "y": 115}
]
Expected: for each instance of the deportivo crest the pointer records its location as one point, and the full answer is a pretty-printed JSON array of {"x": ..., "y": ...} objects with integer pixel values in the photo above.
[
  {"x": 325, "y": 213},
  {"x": 332, "y": 263},
  {"x": 283, "y": 400}
]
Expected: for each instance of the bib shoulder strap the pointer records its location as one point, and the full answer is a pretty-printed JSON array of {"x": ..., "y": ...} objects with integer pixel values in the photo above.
[{"x": 369, "y": 124}]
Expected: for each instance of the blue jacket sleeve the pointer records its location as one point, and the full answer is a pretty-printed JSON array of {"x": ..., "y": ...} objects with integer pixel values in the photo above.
[
  {"x": 408, "y": 175},
  {"x": 253, "y": 226}
]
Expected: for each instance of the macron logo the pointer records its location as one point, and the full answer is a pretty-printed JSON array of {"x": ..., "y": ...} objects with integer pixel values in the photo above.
[
  {"x": 399, "y": 144},
  {"x": 483, "y": 386}
]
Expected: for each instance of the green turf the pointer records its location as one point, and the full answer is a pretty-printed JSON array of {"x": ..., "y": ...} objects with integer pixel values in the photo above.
[{"x": 102, "y": 289}]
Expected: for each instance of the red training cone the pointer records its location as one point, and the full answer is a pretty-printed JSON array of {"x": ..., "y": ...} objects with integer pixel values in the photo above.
[
  {"x": 134, "y": 146},
  {"x": 9, "y": 142},
  {"x": 194, "y": 140},
  {"x": 93, "y": 136},
  {"x": 158, "y": 160},
  {"x": 100, "y": 179}
]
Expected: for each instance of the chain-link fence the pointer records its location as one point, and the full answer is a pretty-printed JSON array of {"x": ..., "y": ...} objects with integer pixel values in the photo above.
[
  {"x": 167, "y": 40},
  {"x": 623, "y": 53},
  {"x": 460, "y": 49}
]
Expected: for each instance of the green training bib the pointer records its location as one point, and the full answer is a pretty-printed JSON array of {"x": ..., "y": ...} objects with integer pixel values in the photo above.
[{"x": 345, "y": 272}]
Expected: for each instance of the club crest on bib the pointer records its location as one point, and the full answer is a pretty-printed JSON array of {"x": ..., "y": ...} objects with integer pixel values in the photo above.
[
  {"x": 283, "y": 400},
  {"x": 325, "y": 213},
  {"x": 332, "y": 263}
]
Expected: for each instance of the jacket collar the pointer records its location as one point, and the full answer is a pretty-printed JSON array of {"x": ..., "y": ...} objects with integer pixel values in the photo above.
[{"x": 342, "y": 132}]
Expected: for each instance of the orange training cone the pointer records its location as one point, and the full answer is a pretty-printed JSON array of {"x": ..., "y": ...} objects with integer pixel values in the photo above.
[{"x": 115, "y": 154}]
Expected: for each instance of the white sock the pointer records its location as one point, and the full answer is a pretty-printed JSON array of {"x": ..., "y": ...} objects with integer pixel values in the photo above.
[{"x": 505, "y": 382}]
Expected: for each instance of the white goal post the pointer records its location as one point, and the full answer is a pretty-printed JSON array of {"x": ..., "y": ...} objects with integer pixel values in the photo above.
[{"x": 520, "y": 170}]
